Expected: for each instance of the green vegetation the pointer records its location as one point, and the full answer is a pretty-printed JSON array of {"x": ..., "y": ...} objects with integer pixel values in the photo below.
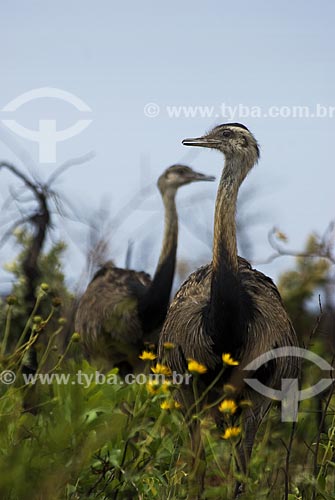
[{"x": 81, "y": 440}]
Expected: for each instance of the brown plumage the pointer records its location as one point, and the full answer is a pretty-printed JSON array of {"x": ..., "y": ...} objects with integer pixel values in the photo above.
[
  {"x": 228, "y": 307},
  {"x": 121, "y": 309}
]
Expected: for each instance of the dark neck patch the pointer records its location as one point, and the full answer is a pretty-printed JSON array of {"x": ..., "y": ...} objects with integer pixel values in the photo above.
[{"x": 153, "y": 306}]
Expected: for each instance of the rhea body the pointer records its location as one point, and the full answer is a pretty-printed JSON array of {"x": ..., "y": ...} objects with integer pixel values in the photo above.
[
  {"x": 226, "y": 306},
  {"x": 121, "y": 308}
]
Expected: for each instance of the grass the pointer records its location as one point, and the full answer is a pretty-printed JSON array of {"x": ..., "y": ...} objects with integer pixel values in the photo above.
[{"x": 124, "y": 441}]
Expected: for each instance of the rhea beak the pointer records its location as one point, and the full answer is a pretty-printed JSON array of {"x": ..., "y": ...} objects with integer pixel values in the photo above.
[
  {"x": 202, "y": 177},
  {"x": 205, "y": 142}
]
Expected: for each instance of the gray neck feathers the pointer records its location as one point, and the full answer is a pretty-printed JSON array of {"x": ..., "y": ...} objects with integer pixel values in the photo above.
[
  {"x": 169, "y": 245},
  {"x": 225, "y": 288}
]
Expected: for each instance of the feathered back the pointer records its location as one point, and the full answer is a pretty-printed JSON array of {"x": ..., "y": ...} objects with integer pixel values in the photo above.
[{"x": 107, "y": 315}]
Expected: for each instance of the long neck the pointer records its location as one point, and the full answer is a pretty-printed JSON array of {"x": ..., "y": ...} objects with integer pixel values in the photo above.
[
  {"x": 154, "y": 305},
  {"x": 225, "y": 302}
]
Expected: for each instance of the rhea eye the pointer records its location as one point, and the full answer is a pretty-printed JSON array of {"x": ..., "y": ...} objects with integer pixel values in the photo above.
[{"x": 226, "y": 133}]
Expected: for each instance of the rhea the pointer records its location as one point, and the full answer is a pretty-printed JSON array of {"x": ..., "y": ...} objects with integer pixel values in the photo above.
[
  {"x": 121, "y": 308},
  {"x": 228, "y": 307}
]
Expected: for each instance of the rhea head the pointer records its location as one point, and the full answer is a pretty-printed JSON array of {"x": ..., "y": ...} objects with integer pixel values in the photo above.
[
  {"x": 232, "y": 139},
  {"x": 180, "y": 175}
]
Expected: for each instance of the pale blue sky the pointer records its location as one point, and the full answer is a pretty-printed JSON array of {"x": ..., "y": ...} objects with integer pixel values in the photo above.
[{"x": 119, "y": 56}]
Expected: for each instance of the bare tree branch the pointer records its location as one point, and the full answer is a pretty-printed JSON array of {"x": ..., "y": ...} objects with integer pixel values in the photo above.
[
  {"x": 68, "y": 164},
  {"x": 324, "y": 247}
]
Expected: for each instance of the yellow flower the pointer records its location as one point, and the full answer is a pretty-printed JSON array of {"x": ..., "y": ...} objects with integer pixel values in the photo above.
[
  {"x": 228, "y": 360},
  {"x": 161, "y": 369},
  {"x": 153, "y": 387},
  {"x": 167, "y": 405},
  {"x": 166, "y": 386},
  {"x": 231, "y": 432},
  {"x": 147, "y": 356},
  {"x": 168, "y": 345},
  {"x": 195, "y": 367},
  {"x": 228, "y": 406}
]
